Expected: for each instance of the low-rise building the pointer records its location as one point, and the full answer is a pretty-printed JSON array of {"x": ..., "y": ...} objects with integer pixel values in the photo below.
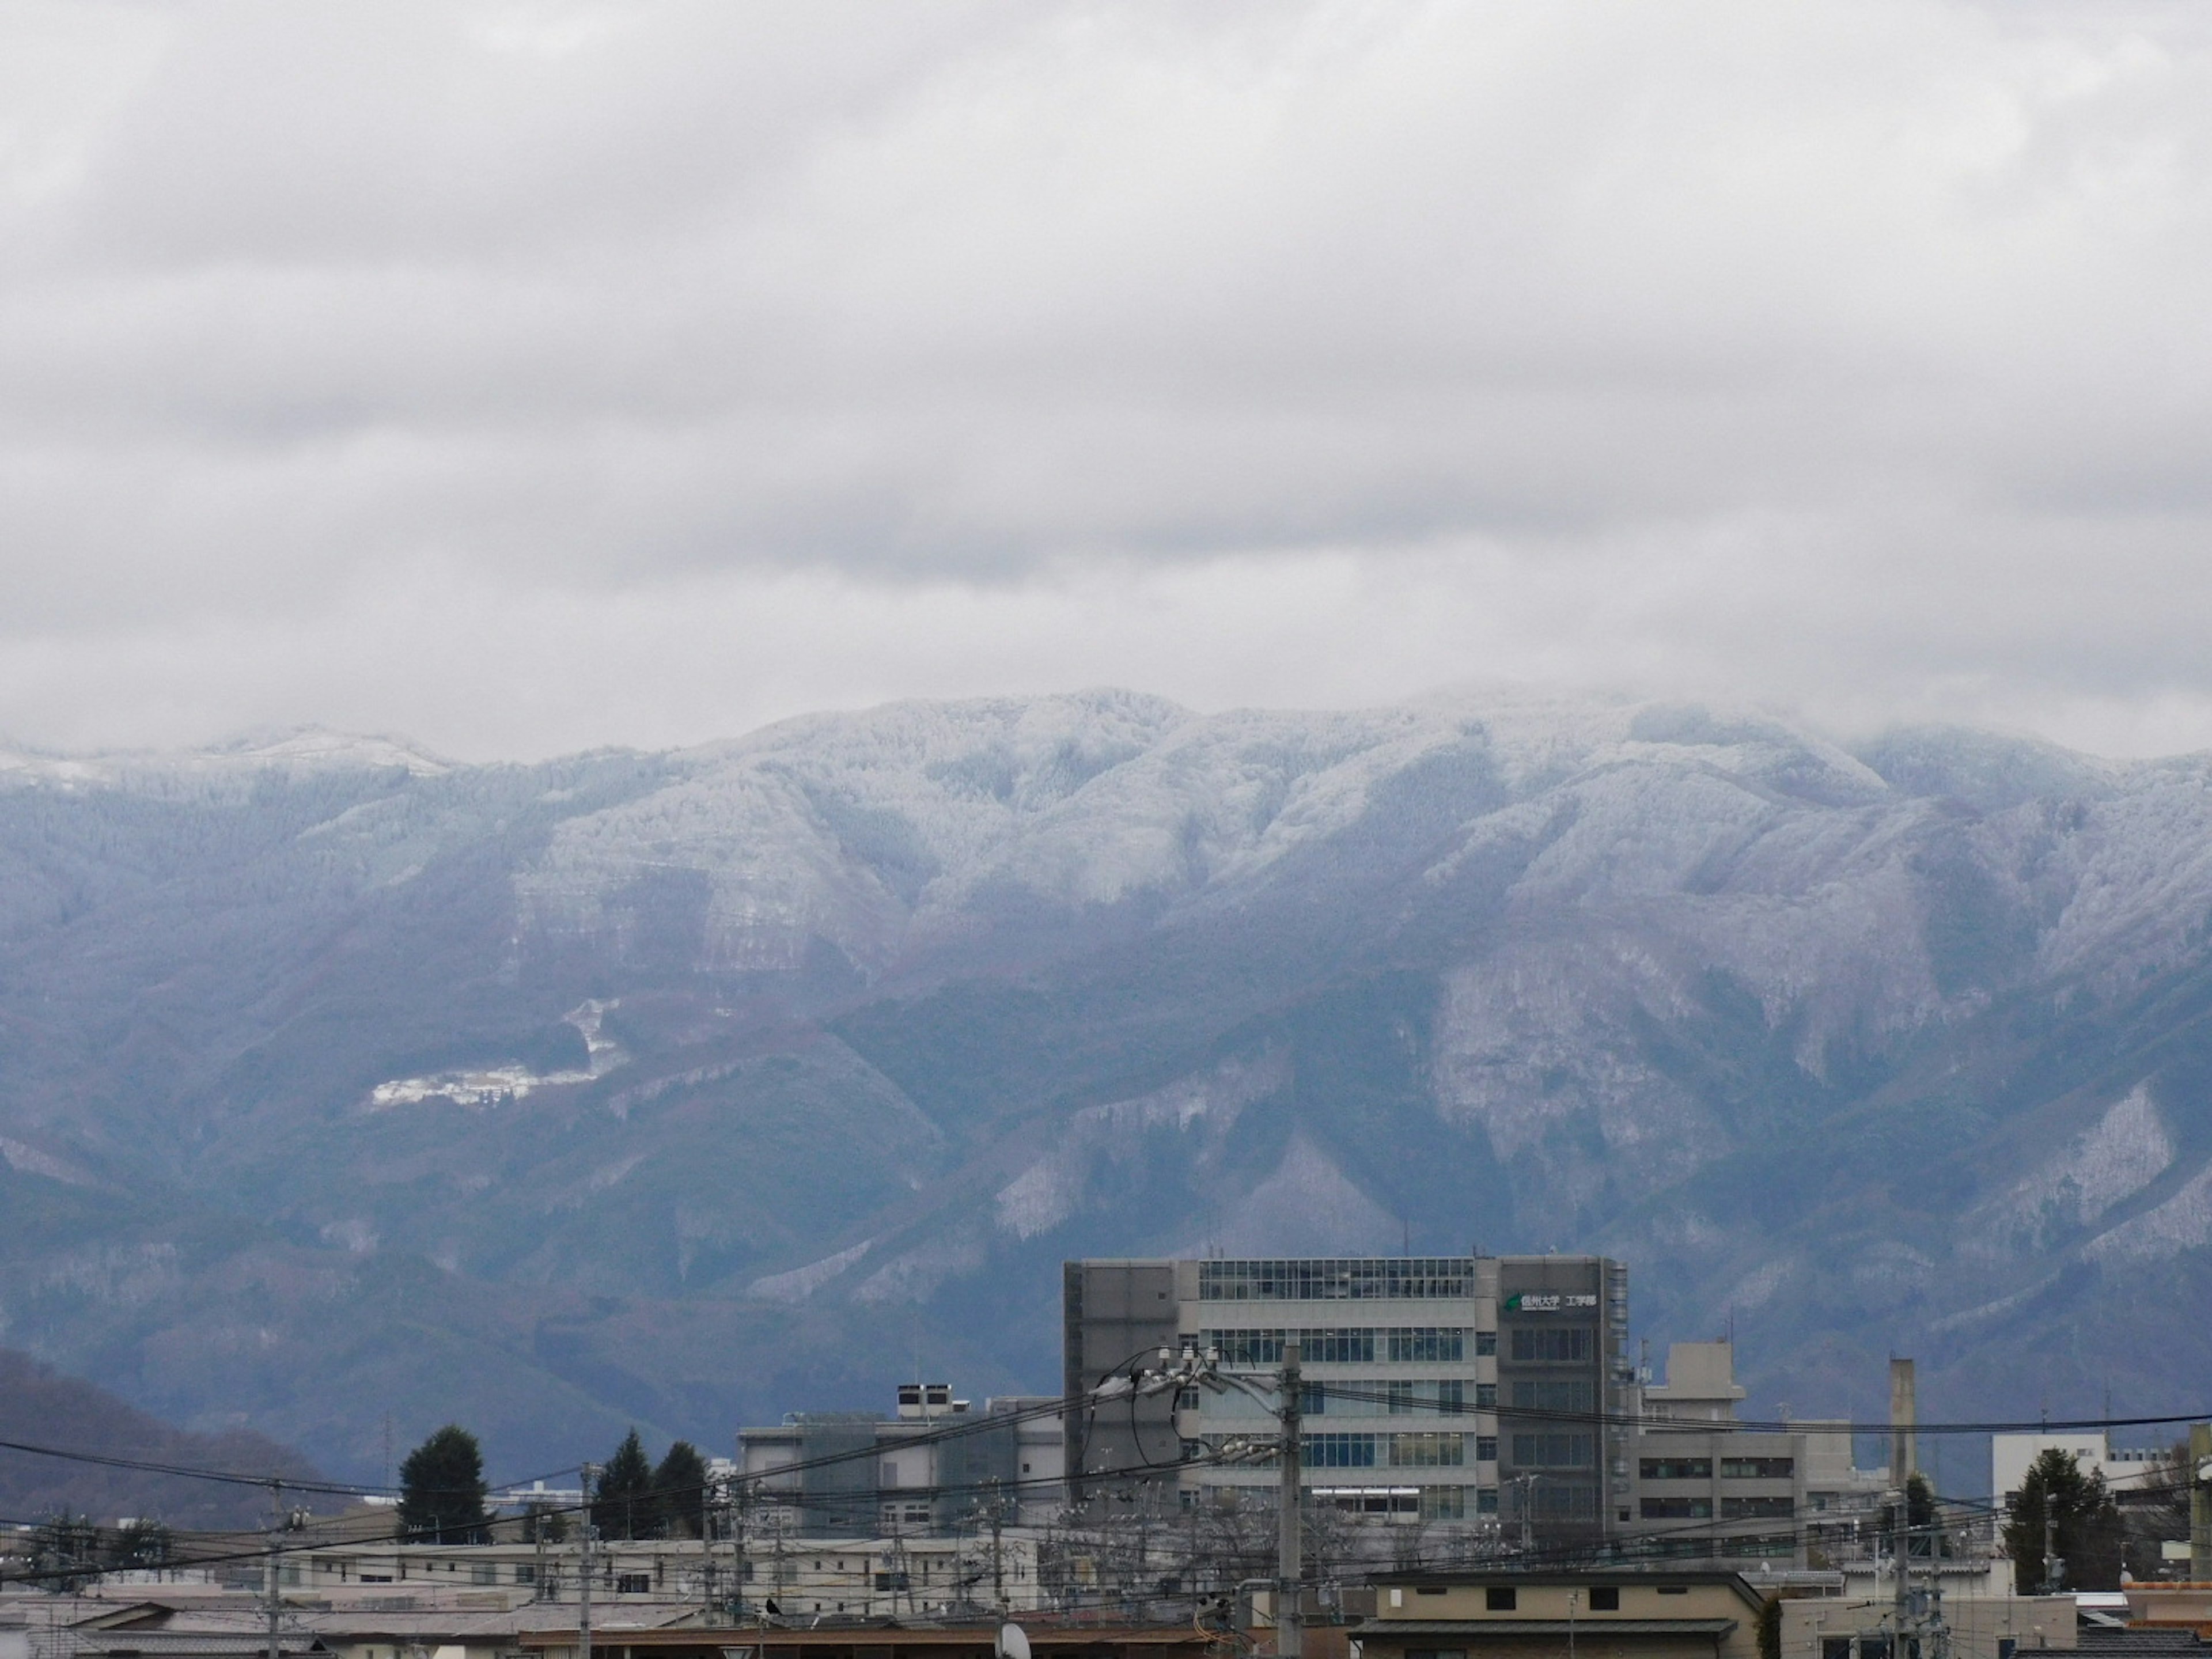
[
  {"x": 1540, "y": 1615},
  {"x": 864, "y": 1576},
  {"x": 1976, "y": 1626}
]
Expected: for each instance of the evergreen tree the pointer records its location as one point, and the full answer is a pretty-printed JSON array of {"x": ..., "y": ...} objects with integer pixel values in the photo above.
[
  {"x": 622, "y": 1505},
  {"x": 679, "y": 1488},
  {"x": 2087, "y": 1529},
  {"x": 441, "y": 1491}
]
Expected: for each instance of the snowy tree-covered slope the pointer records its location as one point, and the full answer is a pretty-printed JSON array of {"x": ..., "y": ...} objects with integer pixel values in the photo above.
[{"x": 337, "y": 1079}]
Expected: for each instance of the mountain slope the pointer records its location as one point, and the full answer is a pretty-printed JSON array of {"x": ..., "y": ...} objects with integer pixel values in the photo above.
[
  {"x": 684, "y": 1088},
  {"x": 40, "y": 1407}
]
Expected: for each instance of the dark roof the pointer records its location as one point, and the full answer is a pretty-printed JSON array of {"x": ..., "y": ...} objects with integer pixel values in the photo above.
[
  {"x": 1043, "y": 1637},
  {"x": 1594, "y": 1629},
  {"x": 2138, "y": 1639},
  {"x": 1620, "y": 1573}
]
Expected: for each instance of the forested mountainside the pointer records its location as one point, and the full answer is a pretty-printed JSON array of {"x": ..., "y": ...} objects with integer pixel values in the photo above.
[
  {"x": 687, "y": 1089},
  {"x": 40, "y": 1407}
]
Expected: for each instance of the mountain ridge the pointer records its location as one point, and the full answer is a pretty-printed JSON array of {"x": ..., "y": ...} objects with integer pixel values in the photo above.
[{"x": 691, "y": 1086}]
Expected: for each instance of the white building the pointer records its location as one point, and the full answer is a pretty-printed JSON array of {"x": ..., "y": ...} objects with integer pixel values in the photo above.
[{"x": 2011, "y": 1456}]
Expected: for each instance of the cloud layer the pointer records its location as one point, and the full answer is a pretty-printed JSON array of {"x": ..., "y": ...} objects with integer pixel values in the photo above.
[{"x": 526, "y": 376}]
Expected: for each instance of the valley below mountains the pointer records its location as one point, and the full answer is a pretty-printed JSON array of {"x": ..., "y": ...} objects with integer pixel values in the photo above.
[{"x": 345, "y": 1090}]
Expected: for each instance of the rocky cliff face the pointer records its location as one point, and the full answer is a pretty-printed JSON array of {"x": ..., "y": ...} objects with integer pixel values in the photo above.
[{"x": 687, "y": 1087}]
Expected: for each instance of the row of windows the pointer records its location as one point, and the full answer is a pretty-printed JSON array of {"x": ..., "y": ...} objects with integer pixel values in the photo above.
[
  {"x": 1569, "y": 1394},
  {"x": 1552, "y": 1451},
  {"x": 1431, "y": 1504},
  {"x": 1701, "y": 1468},
  {"x": 1397, "y": 1452},
  {"x": 1411, "y": 1278},
  {"x": 1732, "y": 1509},
  {"x": 1354, "y": 1344},
  {"x": 1554, "y": 1344},
  {"x": 1395, "y": 1397}
]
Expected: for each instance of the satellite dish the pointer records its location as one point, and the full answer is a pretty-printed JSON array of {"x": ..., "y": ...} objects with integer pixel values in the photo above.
[{"x": 1013, "y": 1642}]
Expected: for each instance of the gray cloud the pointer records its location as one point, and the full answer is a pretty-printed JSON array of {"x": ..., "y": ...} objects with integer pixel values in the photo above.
[{"x": 525, "y": 376}]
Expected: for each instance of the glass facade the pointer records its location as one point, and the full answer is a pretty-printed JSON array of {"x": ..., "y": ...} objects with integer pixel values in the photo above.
[
  {"x": 1354, "y": 1278},
  {"x": 1342, "y": 1345}
]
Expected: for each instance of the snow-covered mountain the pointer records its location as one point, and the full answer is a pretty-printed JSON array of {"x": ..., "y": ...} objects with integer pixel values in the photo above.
[{"x": 339, "y": 1079}]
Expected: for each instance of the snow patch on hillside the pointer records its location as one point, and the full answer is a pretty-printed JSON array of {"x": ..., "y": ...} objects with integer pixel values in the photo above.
[
  {"x": 483, "y": 1088},
  {"x": 2182, "y": 1222},
  {"x": 1308, "y": 1206},
  {"x": 19, "y": 1155},
  {"x": 798, "y": 1284},
  {"x": 1203, "y": 1106},
  {"x": 2122, "y": 1153}
]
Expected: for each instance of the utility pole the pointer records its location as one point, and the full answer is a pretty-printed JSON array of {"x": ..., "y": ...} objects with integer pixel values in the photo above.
[
  {"x": 1900, "y": 1551},
  {"x": 584, "y": 1577},
  {"x": 1290, "y": 1538},
  {"x": 737, "y": 1539},
  {"x": 2054, "y": 1570},
  {"x": 707, "y": 1550},
  {"x": 268, "y": 1573},
  {"x": 997, "y": 1560}
]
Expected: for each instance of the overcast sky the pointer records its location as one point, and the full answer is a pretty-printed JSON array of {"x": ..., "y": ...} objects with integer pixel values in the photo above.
[{"x": 523, "y": 377}]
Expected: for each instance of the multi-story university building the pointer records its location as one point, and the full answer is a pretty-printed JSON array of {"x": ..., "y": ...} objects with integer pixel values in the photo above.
[
  {"x": 1490, "y": 1391},
  {"x": 1448, "y": 1388},
  {"x": 1707, "y": 1489},
  {"x": 936, "y": 1466}
]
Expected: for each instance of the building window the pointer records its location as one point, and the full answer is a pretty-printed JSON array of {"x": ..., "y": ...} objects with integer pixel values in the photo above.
[
  {"x": 1353, "y": 1278},
  {"x": 1331, "y": 1346},
  {"x": 1675, "y": 1468},
  {"x": 1485, "y": 1500},
  {"x": 1755, "y": 1509},
  {"x": 1757, "y": 1468},
  {"x": 1553, "y": 1345},
  {"x": 1552, "y": 1451},
  {"x": 1605, "y": 1598},
  {"x": 1678, "y": 1509},
  {"x": 484, "y": 1573},
  {"x": 1426, "y": 1345},
  {"x": 1338, "y": 1451},
  {"x": 1485, "y": 1342},
  {"x": 633, "y": 1584},
  {"x": 1500, "y": 1598},
  {"x": 1485, "y": 1449},
  {"x": 525, "y": 1574},
  {"x": 1403, "y": 1398},
  {"x": 1557, "y": 1500},
  {"x": 1569, "y": 1394},
  {"x": 1427, "y": 1451},
  {"x": 1486, "y": 1396},
  {"x": 1444, "y": 1503}
]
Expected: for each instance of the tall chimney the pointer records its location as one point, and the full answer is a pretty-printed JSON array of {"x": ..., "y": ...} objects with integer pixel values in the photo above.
[{"x": 1904, "y": 1414}]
